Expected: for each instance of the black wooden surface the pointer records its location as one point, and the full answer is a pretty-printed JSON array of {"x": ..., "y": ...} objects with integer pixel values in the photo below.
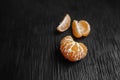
[{"x": 29, "y": 42}]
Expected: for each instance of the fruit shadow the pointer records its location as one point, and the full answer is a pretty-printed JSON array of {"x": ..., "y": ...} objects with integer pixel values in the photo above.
[
  {"x": 57, "y": 33},
  {"x": 62, "y": 61},
  {"x": 78, "y": 39}
]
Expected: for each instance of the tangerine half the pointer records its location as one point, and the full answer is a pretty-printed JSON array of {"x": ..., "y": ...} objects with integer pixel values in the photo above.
[
  {"x": 81, "y": 28},
  {"x": 71, "y": 50}
]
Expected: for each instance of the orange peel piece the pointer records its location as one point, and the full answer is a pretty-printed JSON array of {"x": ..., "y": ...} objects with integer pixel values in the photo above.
[
  {"x": 65, "y": 24},
  {"x": 71, "y": 50},
  {"x": 81, "y": 28}
]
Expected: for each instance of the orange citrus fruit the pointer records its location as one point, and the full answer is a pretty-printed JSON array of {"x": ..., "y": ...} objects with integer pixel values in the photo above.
[
  {"x": 81, "y": 28},
  {"x": 65, "y": 24},
  {"x": 71, "y": 50}
]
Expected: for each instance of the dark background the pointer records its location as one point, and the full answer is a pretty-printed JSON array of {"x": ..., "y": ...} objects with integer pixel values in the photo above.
[{"x": 29, "y": 42}]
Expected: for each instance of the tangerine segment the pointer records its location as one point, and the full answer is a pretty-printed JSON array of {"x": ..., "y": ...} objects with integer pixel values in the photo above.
[
  {"x": 86, "y": 27},
  {"x": 71, "y": 50},
  {"x": 81, "y": 28},
  {"x": 76, "y": 29},
  {"x": 65, "y": 24}
]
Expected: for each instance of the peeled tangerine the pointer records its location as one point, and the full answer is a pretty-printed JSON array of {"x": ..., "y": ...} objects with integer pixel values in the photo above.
[
  {"x": 71, "y": 50},
  {"x": 81, "y": 28},
  {"x": 65, "y": 24}
]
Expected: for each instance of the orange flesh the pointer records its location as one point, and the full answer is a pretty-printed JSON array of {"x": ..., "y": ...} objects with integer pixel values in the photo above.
[
  {"x": 70, "y": 49},
  {"x": 65, "y": 24},
  {"x": 75, "y": 27},
  {"x": 81, "y": 28}
]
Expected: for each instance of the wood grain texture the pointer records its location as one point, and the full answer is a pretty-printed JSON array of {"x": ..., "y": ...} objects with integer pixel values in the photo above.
[{"x": 29, "y": 48}]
